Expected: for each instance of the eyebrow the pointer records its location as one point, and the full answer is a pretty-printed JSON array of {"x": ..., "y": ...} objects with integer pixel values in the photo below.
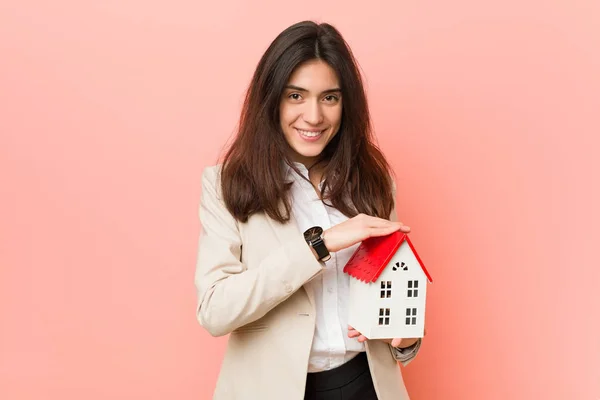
[{"x": 298, "y": 88}]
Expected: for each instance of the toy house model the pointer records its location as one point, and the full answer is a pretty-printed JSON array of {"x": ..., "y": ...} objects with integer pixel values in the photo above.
[{"x": 388, "y": 286}]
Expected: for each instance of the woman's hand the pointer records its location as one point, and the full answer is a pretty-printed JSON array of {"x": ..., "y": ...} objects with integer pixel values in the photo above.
[
  {"x": 357, "y": 229},
  {"x": 394, "y": 342}
]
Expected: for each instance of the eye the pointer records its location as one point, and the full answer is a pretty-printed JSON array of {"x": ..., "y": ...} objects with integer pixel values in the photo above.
[
  {"x": 331, "y": 98},
  {"x": 295, "y": 96}
]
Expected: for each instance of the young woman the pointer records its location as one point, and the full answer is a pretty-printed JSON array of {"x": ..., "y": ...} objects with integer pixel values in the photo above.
[{"x": 299, "y": 188}]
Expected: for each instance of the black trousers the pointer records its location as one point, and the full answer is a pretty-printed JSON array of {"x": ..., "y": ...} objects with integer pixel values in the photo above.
[{"x": 350, "y": 381}]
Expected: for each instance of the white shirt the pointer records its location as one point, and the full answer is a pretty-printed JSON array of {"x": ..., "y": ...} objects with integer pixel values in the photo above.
[{"x": 331, "y": 346}]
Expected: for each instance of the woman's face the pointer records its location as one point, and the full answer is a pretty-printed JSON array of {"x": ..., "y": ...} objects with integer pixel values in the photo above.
[{"x": 310, "y": 110}]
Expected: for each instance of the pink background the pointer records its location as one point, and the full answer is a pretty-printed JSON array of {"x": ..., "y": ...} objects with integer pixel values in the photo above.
[{"x": 110, "y": 110}]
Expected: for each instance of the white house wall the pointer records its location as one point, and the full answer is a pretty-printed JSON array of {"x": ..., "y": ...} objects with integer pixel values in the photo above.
[
  {"x": 399, "y": 301},
  {"x": 360, "y": 306}
]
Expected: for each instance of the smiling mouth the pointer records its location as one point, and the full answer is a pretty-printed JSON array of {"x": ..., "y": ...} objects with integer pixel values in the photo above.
[{"x": 310, "y": 133}]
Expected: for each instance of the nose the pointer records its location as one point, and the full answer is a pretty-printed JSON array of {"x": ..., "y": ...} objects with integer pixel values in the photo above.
[{"x": 313, "y": 114}]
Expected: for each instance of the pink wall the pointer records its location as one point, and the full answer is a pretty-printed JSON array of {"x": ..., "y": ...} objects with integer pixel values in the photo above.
[{"x": 110, "y": 110}]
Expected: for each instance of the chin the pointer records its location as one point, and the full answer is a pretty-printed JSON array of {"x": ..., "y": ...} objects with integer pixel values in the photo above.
[{"x": 309, "y": 154}]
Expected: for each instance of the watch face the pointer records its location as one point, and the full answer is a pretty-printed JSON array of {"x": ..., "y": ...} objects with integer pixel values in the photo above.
[{"x": 313, "y": 233}]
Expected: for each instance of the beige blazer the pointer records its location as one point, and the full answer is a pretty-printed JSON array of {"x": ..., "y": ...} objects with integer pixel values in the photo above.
[{"x": 250, "y": 283}]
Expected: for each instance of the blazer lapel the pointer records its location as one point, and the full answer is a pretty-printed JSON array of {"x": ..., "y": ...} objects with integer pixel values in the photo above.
[{"x": 288, "y": 232}]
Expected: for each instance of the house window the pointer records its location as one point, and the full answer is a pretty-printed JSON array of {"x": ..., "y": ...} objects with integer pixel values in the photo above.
[
  {"x": 386, "y": 289},
  {"x": 411, "y": 316},
  {"x": 384, "y": 316},
  {"x": 400, "y": 264},
  {"x": 413, "y": 289}
]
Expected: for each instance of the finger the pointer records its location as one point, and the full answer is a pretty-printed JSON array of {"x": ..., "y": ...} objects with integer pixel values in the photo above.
[
  {"x": 384, "y": 223},
  {"x": 362, "y": 338},
  {"x": 404, "y": 228},
  {"x": 353, "y": 333},
  {"x": 384, "y": 230},
  {"x": 375, "y": 222},
  {"x": 396, "y": 342}
]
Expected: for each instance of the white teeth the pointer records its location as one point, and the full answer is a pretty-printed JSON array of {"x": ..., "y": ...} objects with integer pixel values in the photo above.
[{"x": 309, "y": 134}]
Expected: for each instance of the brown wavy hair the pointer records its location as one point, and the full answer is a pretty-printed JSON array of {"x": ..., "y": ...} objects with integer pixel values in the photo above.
[{"x": 357, "y": 177}]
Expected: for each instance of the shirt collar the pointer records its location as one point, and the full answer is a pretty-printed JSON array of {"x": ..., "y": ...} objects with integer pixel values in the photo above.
[
  {"x": 289, "y": 172},
  {"x": 287, "y": 169}
]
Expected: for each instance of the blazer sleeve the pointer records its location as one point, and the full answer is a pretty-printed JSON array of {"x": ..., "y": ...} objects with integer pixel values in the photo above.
[
  {"x": 404, "y": 356},
  {"x": 229, "y": 295}
]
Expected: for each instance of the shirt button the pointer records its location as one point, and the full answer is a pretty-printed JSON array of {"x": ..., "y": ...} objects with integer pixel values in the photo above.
[
  {"x": 287, "y": 287},
  {"x": 330, "y": 289}
]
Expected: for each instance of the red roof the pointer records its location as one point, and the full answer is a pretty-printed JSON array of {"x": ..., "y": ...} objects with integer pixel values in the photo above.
[{"x": 373, "y": 255}]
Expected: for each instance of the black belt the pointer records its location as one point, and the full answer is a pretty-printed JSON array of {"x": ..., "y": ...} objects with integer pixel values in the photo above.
[{"x": 340, "y": 376}]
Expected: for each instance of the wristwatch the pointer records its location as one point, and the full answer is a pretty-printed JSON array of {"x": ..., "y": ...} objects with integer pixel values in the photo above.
[{"x": 314, "y": 237}]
